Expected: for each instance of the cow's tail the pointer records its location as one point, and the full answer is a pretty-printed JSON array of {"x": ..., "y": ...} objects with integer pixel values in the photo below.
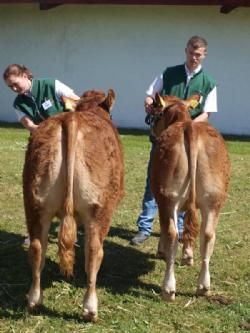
[
  {"x": 191, "y": 227},
  {"x": 67, "y": 233}
]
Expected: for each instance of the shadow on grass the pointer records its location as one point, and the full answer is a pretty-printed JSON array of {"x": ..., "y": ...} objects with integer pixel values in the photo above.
[
  {"x": 15, "y": 274},
  {"x": 120, "y": 272},
  {"x": 122, "y": 266},
  {"x": 126, "y": 234}
]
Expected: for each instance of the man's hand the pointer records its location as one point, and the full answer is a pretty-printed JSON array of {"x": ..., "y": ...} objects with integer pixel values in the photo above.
[
  {"x": 202, "y": 117},
  {"x": 148, "y": 103}
]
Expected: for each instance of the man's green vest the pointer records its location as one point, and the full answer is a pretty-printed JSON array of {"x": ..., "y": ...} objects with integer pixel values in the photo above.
[
  {"x": 42, "y": 103},
  {"x": 174, "y": 84}
]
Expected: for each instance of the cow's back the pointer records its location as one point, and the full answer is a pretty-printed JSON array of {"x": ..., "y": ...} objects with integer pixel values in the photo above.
[
  {"x": 98, "y": 174},
  {"x": 171, "y": 167},
  {"x": 43, "y": 169},
  {"x": 213, "y": 166},
  {"x": 169, "y": 174},
  {"x": 98, "y": 165}
]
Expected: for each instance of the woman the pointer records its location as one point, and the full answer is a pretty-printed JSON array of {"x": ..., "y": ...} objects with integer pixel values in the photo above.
[{"x": 37, "y": 99}]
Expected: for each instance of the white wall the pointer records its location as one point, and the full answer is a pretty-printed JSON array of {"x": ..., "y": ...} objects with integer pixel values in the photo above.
[{"x": 124, "y": 47}]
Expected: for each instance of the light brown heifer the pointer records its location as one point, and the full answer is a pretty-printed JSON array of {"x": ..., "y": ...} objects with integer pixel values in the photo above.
[
  {"x": 190, "y": 171},
  {"x": 73, "y": 170}
]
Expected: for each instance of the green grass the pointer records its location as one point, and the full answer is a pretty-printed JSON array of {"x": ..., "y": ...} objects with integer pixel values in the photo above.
[{"x": 130, "y": 278}]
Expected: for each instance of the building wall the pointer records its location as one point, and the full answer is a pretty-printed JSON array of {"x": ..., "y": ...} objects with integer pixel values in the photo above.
[{"x": 124, "y": 48}]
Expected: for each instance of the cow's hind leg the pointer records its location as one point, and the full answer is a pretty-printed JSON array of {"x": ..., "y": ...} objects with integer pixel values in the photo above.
[
  {"x": 169, "y": 243},
  {"x": 38, "y": 233},
  {"x": 95, "y": 233},
  {"x": 207, "y": 240}
]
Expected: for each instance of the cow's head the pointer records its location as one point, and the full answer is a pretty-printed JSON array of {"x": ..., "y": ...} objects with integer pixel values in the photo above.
[
  {"x": 168, "y": 110},
  {"x": 93, "y": 99}
]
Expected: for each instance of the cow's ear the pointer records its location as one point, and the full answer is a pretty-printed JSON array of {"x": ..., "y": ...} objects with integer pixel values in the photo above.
[
  {"x": 159, "y": 100},
  {"x": 109, "y": 100},
  {"x": 69, "y": 103}
]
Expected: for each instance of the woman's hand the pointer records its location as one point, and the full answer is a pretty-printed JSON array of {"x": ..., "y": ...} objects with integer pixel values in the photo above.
[{"x": 28, "y": 124}]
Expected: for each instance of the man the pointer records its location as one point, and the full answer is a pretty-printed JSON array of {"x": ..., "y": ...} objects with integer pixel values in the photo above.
[{"x": 181, "y": 81}]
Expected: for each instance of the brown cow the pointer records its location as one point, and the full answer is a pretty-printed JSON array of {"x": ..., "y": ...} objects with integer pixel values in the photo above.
[
  {"x": 190, "y": 171},
  {"x": 73, "y": 170}
]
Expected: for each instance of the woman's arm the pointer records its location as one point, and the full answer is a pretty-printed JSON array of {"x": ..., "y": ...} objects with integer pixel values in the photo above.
[{"x": 28, "y": 124}]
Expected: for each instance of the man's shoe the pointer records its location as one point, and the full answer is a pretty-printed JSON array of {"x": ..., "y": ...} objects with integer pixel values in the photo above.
[
  {"x": 180, "y": 226},
  {"x": 26, "y": 241},
  {"x": 139, "y": 238}
]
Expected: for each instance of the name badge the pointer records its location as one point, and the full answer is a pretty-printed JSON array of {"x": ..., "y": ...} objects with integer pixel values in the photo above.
[{"x": 47, "y": 104}]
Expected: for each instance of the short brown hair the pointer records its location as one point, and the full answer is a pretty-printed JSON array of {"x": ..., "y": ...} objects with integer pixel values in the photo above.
[
  {"x": 197, "y": 42},
  {"x": 16, "y": 70}
]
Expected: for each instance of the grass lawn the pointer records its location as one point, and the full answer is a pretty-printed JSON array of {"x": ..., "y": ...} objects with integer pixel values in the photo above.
[{"x": 130, "y": 278}]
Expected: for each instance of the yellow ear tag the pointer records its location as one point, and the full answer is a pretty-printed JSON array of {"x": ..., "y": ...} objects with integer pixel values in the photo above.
[
  {"x": 68, "y": 105},
  {"x": 193, "y": 103}
]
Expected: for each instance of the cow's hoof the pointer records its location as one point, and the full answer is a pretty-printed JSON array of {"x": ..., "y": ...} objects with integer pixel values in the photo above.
[
  {"x": 34, "y": 301},
  {"x": 187, "y": 261},
  {"x": 202, "y": 291},
  {"x": 90, "y": 316},
  {"x": 168, "y": 296},
  {"x": 33, "y": 308}
]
